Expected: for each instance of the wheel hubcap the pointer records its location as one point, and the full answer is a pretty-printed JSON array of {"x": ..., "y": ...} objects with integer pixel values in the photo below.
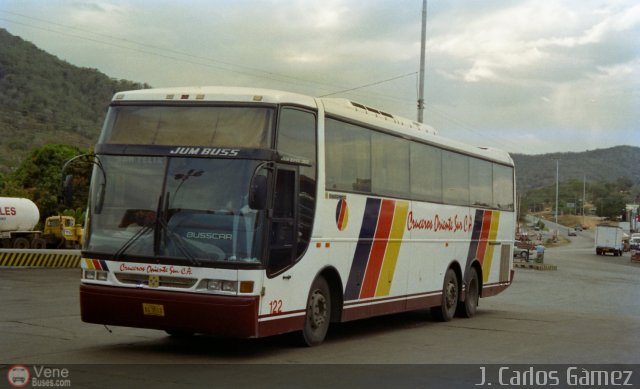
[
  {"x": 317, "y": 310},
  {"x": 451, "y": 294}
]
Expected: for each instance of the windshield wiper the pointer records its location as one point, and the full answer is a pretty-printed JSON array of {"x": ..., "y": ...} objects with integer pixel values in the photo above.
[
  {"x": 163, "y": 207},
  {"x": 118, "y": 254}
]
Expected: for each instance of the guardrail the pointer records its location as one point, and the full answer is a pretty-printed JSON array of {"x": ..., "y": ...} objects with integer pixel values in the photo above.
[{"x": 39, "y": 258}]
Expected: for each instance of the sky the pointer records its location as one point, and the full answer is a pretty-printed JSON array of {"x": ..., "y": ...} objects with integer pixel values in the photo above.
[{"x": 527, "y": 76}]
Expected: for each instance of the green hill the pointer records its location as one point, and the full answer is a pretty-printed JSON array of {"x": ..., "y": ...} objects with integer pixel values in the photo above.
[
  {"x": 46, "y": 100},
  {"x": 537, "y": 171}
]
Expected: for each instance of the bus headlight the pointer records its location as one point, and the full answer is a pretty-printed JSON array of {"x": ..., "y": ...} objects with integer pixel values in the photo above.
[
  {"x": 99, "y": 275},
  {"x": 227, "y": 286},
  {"x": 222, "y": 286}
]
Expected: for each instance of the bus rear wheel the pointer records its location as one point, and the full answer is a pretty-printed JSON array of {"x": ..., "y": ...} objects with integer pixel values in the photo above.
[
  {"x": 318, "y": 317},
  {"x": 469, "y": 306},
  {"x": 450, "y": 295}
]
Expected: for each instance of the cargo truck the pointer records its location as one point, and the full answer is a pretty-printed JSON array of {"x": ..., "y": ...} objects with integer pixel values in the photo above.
[{"x": 609, "y": 239}]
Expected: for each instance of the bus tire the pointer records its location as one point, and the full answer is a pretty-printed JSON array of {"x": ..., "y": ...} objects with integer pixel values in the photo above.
[
  {"x": 469, "y": 306},
  {"x": 450, "y": 295},
  {"x": 20, "y": 243},
  {"x": 318, "y": 316}
]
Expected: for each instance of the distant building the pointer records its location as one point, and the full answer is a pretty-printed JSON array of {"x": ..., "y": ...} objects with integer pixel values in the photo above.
[{"x": 632, "y": 217}]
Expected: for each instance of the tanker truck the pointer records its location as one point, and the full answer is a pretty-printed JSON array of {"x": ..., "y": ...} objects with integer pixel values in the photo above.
[{"x": 18, "y": 217}]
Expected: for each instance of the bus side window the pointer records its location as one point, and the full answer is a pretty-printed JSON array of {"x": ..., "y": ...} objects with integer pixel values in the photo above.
[
  {"x": 283, "y": 228},
  {"x": 297, "y": 136}
]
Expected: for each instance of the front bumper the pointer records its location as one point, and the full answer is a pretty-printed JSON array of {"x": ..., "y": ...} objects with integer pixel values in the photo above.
[{"x": 186, "y": 312}]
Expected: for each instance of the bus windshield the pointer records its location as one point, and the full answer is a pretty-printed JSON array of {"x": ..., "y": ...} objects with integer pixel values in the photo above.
[
  {"x": 222, "y": 126},
  {"x": 180, "y": 208}
]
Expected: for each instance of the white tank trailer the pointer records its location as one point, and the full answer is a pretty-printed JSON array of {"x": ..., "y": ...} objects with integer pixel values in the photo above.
[{"x": 18, "y": 217}]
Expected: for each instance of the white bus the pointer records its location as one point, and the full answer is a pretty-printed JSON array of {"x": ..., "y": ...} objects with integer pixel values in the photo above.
[{"x": 249, "y": 212}]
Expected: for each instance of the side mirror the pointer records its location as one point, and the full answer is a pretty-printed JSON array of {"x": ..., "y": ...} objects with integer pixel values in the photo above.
[
  {"x": 67, "y": 190},
  {"x": 258, "y": 192}
]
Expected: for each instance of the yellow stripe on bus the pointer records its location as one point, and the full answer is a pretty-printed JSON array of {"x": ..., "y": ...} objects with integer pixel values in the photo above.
[
  {"x": 488, "y": 255},
  {"x": 393, "y": 248}
]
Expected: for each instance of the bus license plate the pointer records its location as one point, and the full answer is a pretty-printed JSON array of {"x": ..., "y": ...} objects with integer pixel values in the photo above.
[{"x": 153, "y": 309}]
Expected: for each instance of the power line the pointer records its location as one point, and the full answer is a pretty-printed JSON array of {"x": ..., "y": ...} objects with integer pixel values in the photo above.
[
  {"x": 370, "y": 84},
  {"x": 196, "y": 59},
  {"x": 470, "y": 128},
  {"x": 223, "y": 65},
  {"x": 181, "y": 56}
]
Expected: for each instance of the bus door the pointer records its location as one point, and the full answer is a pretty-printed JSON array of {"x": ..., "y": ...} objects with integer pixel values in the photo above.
[
  {"x": 282, "y": 241},
  {"x": 283, "y": 232}
]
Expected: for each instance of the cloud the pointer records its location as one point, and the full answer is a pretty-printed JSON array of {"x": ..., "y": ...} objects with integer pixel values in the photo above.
[
  {"x": 94, "y": 13},
  {"x": 507, "y": 44},
  {"x": 519, "y": 70}
]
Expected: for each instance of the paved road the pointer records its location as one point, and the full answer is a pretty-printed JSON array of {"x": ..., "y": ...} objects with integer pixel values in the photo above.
[{"x": 586, "y": 312}]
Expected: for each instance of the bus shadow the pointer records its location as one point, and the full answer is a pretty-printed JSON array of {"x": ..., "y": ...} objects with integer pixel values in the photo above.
[
  {"x": 213, "y": 349},
  {"x": 379, "y": 325}
]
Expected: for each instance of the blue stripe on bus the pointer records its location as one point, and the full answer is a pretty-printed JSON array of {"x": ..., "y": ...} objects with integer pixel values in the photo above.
[
  {"x": 363, "y": 249},
  {"x": 475, "y": 238}
]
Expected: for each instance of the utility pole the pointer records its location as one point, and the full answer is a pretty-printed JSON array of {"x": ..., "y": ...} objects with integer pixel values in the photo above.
[
  {"x": 422, "y": 50},
  {"x": 584, "y": 195},
  {"x": 557, "y": 171}
]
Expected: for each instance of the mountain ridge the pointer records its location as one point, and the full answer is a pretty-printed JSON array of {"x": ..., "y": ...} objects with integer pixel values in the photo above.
[
  {"x": 608, "y": 164},
  {"x": 44, "y": 99}
]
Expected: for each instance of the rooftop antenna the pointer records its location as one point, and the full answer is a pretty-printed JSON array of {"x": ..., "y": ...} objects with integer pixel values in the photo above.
[{"x": 422, "y": 50}]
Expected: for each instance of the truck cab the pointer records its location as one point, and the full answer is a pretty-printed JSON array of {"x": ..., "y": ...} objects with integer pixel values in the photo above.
[{"x": 62, "y": 231}]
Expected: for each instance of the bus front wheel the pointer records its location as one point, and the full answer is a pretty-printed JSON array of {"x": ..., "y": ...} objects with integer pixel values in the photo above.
[
  {"x": 318, "y": 317},
  {"x": 450, "y": 295}
]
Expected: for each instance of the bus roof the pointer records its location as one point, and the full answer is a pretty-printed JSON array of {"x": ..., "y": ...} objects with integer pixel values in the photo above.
[
  {"x": 216, "y": 93},
  {"x": 338, "y": 107},
  {"x": 407, "y": 128}
]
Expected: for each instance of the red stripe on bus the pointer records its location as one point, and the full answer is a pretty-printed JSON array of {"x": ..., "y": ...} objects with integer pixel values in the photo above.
[
  {"x": 484, "y": 236},
  {"x": 343, "y": 209},
  {"x": 380, "y": 240}
]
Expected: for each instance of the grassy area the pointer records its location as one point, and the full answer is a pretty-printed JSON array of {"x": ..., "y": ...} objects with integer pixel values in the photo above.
[
  {"x": 571, "y": 220},
  {"x": 562, "y": 240}
]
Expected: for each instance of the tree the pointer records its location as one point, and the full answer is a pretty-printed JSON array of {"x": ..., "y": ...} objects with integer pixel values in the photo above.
[
  {"x": 39, "y": 178},
  {"x": 78, "y": 214},
  {"x": 611, "y": 206},
  {"x": 624, "y": 183}
]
